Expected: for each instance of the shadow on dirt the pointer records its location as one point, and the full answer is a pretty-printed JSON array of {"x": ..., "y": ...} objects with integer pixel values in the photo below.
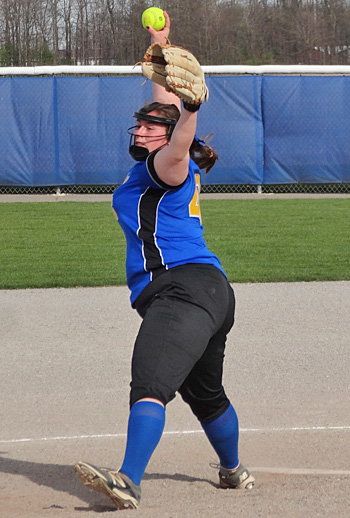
[{"x": 62, "y": 478}]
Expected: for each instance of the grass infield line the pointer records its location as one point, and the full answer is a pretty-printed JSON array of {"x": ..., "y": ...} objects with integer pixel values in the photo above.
[
  {"x": 301, "y": 471},
  {"x": 180, "y": 432}
]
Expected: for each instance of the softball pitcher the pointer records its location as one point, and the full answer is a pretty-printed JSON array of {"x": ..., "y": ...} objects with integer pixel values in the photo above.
[{"x": 177, "y": 285}]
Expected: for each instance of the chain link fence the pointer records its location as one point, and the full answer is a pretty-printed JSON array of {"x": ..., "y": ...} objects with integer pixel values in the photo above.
[{"x": 329, "y": 188}]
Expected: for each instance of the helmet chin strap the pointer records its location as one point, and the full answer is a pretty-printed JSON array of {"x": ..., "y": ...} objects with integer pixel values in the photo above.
[{"x": 140, "y": 153}]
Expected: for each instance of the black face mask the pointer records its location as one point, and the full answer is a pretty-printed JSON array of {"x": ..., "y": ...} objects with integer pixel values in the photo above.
[{"x": 140, "y": 153}]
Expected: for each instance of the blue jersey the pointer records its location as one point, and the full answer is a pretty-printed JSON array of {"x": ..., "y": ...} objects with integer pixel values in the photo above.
[{"x": 162, "y": 224}]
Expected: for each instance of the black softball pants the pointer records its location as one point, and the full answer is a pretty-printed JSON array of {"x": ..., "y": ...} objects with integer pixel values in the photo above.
[{"x": 187, "y": 313}]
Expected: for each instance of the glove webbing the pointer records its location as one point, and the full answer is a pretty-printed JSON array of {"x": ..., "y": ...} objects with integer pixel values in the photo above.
[{"x": 159, "y": 60}]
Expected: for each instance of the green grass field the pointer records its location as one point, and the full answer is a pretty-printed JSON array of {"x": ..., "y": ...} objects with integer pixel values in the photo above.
[{"x": 80, "y": 244}]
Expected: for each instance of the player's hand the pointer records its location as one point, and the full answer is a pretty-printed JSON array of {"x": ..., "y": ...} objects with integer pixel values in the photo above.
[{"x": 163, "y": 35}]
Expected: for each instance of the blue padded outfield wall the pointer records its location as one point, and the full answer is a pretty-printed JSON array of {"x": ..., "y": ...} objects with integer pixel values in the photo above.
[{"x": 267, "y": 129}]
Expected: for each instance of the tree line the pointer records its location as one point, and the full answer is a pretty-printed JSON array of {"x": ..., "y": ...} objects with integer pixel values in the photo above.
[{"x": 218, "y": 32}]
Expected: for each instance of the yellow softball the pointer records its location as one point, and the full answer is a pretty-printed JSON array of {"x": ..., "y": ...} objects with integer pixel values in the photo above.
[{"x": 153, "y": 17}]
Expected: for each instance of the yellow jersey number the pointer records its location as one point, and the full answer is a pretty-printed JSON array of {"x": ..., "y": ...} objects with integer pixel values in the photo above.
[{"x": 194, "y": 207}]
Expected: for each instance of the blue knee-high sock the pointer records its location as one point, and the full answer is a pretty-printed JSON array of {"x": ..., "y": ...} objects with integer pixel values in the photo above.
[
  {"x": 145, "y": 428},
  {"x": 223, "y": 435}
]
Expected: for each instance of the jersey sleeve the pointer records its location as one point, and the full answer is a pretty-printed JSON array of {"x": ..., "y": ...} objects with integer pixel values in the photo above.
[{"x": 153, "y": 174}]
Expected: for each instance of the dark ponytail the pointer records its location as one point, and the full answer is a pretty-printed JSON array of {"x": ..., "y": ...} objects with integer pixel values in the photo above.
[{"x": 203, "y": 155}]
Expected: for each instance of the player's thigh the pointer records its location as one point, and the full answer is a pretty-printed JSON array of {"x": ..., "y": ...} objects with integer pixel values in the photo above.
[
  {"x": 203, "y": 389},
  {"x": 172, "y": 338}
]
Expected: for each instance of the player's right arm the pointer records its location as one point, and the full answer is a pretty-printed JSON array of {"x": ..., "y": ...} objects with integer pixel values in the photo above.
[
  {"x": 171, "y": 163},
  {"x": 159, "y": 93}
]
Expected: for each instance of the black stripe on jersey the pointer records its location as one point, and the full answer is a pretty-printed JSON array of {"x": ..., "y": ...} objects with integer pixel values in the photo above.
[{"x": 148, "y": 209}]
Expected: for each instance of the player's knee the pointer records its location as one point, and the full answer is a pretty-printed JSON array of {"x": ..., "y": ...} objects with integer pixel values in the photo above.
[
  {"x": 206, "y": 407},
  {"x": 152, "y": 392}
]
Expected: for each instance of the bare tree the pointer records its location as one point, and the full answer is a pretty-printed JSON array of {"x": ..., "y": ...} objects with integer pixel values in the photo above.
[{"x": 216, "y": 31}]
